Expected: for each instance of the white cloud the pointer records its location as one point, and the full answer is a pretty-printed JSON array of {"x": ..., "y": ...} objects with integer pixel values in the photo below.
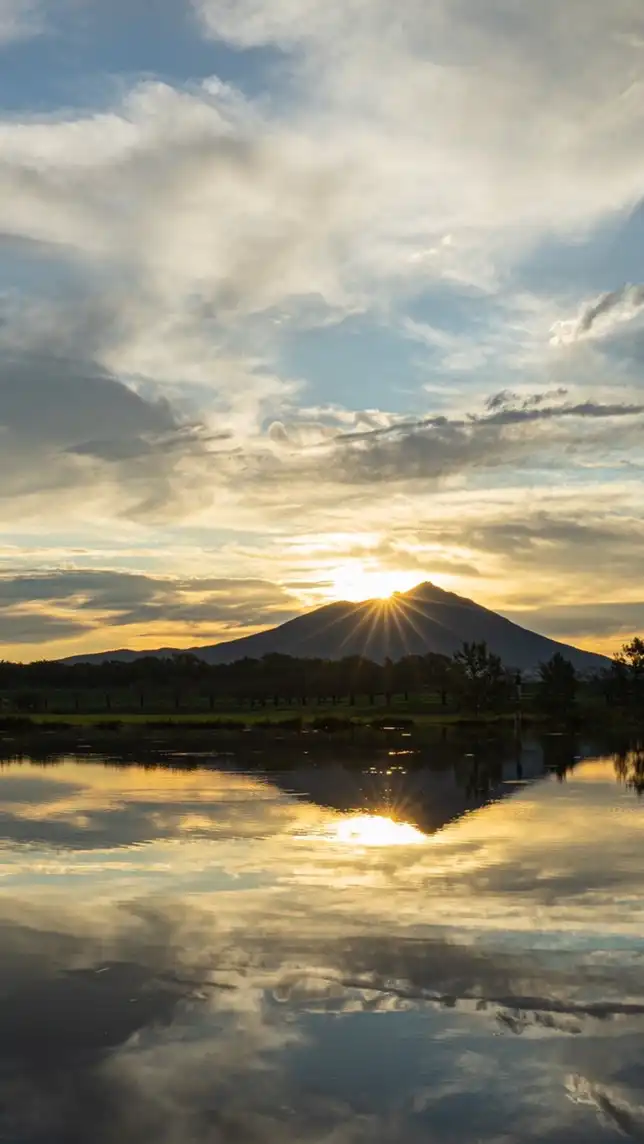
[
  {"x": 424, "y": 141},
  {"x": 194, "y": 194},
  {"x": 420, "y": 143},
  {"x": 473, "y": 114}
]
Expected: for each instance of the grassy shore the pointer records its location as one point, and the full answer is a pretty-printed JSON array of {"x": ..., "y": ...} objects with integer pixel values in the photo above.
[
  {"x": 250, "y": 738},
  {"x": 276, "y": 718}
]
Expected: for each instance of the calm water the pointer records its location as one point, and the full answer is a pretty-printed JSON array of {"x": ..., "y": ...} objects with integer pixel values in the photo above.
[{"x": 321, "y": 955}]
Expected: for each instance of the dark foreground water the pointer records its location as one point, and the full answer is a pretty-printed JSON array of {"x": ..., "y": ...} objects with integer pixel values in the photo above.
[{"x": 321, "y": 955}]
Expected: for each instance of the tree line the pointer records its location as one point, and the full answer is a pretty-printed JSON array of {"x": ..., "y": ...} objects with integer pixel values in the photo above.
[
  {"x": 473, "y": 680},
  {"x": 183, "y": 679}
]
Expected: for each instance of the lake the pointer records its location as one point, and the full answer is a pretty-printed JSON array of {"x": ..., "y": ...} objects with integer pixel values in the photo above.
[{"x": 404, "y": 951}]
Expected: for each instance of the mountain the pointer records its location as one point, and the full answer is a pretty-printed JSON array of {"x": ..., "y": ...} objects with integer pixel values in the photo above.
[{"x": 416, "y": 622}]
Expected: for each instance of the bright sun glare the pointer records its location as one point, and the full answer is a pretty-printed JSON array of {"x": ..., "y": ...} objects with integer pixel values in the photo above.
[
  {"x": 355, "y": 582},
  {"x": 375, "y": 830}
]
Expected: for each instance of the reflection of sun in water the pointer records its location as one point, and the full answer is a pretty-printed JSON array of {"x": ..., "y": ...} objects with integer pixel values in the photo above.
[
  {"x": 376, "y": 830},
  {"x": 356, "y": 582}
]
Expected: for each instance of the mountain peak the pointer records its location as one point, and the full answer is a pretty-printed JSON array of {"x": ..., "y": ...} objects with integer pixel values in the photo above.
[
  {"x": 428, "y": 591},
  {"x": 424, "y": 619},
  {"x": 426, "y": 588}
]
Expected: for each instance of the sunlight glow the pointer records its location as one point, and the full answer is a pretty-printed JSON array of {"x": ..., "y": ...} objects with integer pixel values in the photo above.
[
  {"x": 356, "y": 582},
  {"x": 376, "y": 830}
]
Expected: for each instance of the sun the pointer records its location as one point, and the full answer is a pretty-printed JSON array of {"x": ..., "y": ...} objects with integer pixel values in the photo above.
[{"x": 356, "y": 582}]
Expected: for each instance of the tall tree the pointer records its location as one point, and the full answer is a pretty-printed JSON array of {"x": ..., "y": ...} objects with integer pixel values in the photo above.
[
  {"x": 483, "y": 678},
  {"x": 628, "y": 673},
  {"x": 557, "y": 688}
]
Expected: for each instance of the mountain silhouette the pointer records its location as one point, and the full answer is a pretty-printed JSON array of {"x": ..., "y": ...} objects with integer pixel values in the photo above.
[{"x": 425, "y": 619}]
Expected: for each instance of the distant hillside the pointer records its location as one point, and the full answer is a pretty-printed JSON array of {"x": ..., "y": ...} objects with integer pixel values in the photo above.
[{"x": 416, "y": 622}]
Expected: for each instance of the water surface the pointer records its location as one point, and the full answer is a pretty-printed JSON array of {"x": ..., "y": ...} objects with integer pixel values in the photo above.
[{"x": 390, "y": 954}]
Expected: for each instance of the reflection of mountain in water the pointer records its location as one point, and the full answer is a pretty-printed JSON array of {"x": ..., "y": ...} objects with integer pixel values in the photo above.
[{"x": 428, "y": 796}]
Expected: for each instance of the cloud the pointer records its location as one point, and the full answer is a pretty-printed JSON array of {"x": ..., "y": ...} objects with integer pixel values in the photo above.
[
  {"x": 591, "y": 409},
  {"x": 617, "y": 1109},
  {"x": 531, "y": 69},
  {"x": 437, "y": 448},
  {"x": 507, "y": 399},
  {"x": 24, "y": 627},
  {"x": 333, "y": 193},
  {"x": 569, "y": 570},
  {"x": 603, "y": 317},
  {"x": 619, "y": 305},
  {"x": 503, "y": 408},
  {"x": 258, "y": 210},
  {"x": 40, "y": 607},
  {"x": 560, "y": 541},
  {"x": 142, "y": 457},
  {"x": 592, "y": 619},
  {"x": 68, "y": 429}
]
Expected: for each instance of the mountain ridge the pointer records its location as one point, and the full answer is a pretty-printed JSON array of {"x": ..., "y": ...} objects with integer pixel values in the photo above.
[{"x": 424, "y": 619}]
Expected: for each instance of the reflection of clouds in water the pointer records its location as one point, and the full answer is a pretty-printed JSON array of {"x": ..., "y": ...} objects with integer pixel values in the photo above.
[
  {"x": 613, "y": 1106},
  {"x": 186, "y": 1034},
  {"x": 154, "y": 1049},
  {"x": 196, "y": 1009},
  {"x": 94, "y": 806},
  {"x": 532, "y": 864}
]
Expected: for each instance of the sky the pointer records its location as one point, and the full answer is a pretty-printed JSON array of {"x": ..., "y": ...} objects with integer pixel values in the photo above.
[{"x": 304, "y": 300}]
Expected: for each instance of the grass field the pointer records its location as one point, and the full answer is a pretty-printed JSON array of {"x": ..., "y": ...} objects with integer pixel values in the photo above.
[{"x": 275, "y": 716}]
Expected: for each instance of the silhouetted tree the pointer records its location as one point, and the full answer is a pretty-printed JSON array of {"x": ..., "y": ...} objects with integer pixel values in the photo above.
[
  {"x": 628, "y": 674},
  {"x": 440, "y": 676},
  {"x": 557, "y": 689},
  {"x": 484, "y": 681},
  {"x": 632, "y": 656}
]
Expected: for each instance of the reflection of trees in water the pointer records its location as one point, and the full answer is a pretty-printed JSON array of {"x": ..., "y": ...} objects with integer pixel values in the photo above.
[
  {"x": 484, "y": 763},
  {"x": 484, "y": 775},
  {"x": 560, "y": 754},
  {"x": 492, "y": 762},
  {"x": 629, "y": 768}
]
